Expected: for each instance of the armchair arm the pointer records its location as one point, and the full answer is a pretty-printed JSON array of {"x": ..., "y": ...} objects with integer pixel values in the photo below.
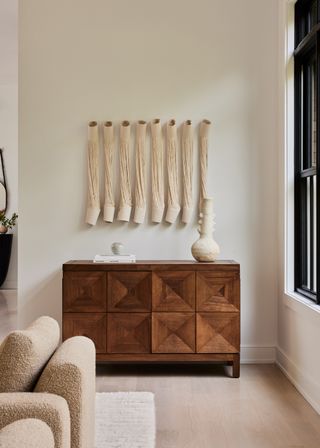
[
  {"x": 51, "y": 409},
  {"x": 28, "y": 432},
  {"x": 70, "y": 373}
]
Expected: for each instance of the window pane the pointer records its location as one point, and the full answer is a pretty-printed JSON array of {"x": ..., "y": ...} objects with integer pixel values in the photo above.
[
  {"x": 301, "y": 114},
  {"x": 308, "y": 233},
  {"x": 304, "y": 235},
  {"x": 308, "y": 210},
  {"x": 313, "y": 118},
  {"x": 312, "y": 15},
  {"x": 308, "y": 18},
  {"x": 308, "y": 124}
]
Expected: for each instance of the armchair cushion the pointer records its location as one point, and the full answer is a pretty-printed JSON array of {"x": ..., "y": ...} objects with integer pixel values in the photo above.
[
  {"x": 26, "y": 433},
  {"x": 70, "y": 373},
  {"x": 50, "y": 409},
  {"x": 23, "y": 354}
]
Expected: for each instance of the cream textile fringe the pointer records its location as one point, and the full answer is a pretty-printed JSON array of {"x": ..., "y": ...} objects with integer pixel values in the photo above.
[
  {"x": 125, "y": 186},
  {"x": 93, "y": 204},
  {"x": 108, "y": 134},
  {"x": 172, "y": 166},
  {"x": 187, "y": 170},
  {"x": 203, "y": 155},
  {"x": 157, "y": 171},
  {"x": 140, "y": 190}
]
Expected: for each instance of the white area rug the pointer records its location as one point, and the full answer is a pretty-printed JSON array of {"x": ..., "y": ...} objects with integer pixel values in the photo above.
[{"x": 125, "y": 420}]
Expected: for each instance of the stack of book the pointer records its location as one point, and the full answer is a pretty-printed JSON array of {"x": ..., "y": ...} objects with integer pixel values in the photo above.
[{"x": 115, "y": 258}]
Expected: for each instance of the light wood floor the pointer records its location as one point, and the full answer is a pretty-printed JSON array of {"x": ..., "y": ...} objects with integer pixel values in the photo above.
[{"x": 199, "y": 407}]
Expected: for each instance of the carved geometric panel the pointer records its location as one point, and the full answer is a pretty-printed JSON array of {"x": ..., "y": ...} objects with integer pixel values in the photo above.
[
  {"x": 128, "y": 333},
  {"x": 173, "y": 291},
  {"x": 84, "y": 291},
  {"x": 93, "y": 326},
  {"x": 218, "y": 332},
  {"x": 173, "y": 332},
  {"x": 216, "y": 293},
  {"x": 129, "y": 291}
]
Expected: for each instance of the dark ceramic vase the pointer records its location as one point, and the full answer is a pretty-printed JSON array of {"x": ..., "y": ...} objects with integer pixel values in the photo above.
[{"x": 5, "y": 252}]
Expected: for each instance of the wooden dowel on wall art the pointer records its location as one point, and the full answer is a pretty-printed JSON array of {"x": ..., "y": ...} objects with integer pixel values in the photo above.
[
  {"x": 172, "y": 166},
  {"x": 93, "y": 204},
  {"x": 140, "y": 190},
  {"x": 108, "y": 136},
  {"x": 187, "y": 170},
  {"x": 157, "y": 171},
  {"x": 125, "y": 185},
  {"x": 203, "y": 156}
]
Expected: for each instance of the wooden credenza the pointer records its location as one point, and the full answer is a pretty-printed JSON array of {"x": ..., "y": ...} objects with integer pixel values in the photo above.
[{"x": 155, "y": 311}]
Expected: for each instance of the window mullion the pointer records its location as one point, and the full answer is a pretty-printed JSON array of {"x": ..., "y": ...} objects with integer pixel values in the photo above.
[{"x": 317, "y": 229}]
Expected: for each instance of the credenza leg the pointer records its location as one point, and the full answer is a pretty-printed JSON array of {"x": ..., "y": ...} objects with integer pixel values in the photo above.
[{"x": 236, "y": 366}]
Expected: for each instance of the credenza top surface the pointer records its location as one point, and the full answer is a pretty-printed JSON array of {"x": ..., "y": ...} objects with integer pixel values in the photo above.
[{"x": 221, "y": 265}]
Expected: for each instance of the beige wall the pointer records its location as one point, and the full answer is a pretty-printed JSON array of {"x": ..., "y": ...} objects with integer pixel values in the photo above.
[{"x": 111, "y": 59}]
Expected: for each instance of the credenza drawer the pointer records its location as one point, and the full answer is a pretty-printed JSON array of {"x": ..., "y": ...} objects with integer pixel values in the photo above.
[
  {"x": 93, "y": 326},
  {"x": 129, "y": 291},
  {"x": 173, "y": 333},
  {"x": 129, "y": 333},
  {"x": 218, "y": 332},
  {"x": 173, "y": 291},
  {"x": 84, "y": 291},
  {"x": 216, "y": 291}
]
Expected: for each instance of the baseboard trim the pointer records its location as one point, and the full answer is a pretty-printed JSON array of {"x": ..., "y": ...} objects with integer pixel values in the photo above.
[
  {"x": 10, "y": 297},
  {"x": 9, "y": 284},
  {"x": 307, "y": 387},
  {"x": 9, "y": 291},
  {"x": 258, "y": 354}
]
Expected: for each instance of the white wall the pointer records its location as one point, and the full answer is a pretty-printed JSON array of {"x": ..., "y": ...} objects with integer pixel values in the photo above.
[
  {"x": 9, "y": 114},
  {"x": 111, "y": 59},
  {"x": 298, "y": 319}
]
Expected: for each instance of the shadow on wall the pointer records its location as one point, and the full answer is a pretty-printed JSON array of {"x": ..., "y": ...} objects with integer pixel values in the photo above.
[{"x": 36, "y": 303}]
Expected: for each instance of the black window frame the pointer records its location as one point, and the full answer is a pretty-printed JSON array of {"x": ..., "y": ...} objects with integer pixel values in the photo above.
[{"x": 306, "y": 54}]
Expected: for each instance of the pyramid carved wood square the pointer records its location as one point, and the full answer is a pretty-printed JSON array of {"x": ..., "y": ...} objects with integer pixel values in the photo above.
[
  {"x": 217, "y": 293},
  {"x": 173, "y": 332},
  {"x": 92, "y": 326},
  {"x": 218, "y": 333},
  {"x": 129, "y": 333},
  {"x": 129, "y": 291},
  {"x": 84, "y": 291},
  {"x": 173, "y": 291}
]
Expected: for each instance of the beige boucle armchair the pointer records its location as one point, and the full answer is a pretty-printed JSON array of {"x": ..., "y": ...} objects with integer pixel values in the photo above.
[{"x": 47, "y": 393}]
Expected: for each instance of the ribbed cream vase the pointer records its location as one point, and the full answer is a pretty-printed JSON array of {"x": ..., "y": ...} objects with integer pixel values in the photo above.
[
  {"x": 93, "y": 201},
  {"x": 205, "y": 248},
  {"x": 140, "y": 190},
  {"x": 125, "y": 185},
  {"x": 109, "y": 205}
]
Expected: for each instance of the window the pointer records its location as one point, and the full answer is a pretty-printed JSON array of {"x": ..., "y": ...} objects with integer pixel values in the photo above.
[{"x": 307, "y": 159}]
